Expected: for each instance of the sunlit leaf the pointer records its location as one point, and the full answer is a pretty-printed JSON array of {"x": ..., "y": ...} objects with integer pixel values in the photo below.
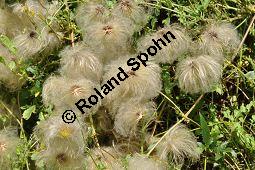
[{"x": 28, "y": 112}]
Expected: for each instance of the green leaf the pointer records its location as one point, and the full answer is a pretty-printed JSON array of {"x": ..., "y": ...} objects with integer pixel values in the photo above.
[
  {"x": 250, "y": 75},
  {"x": 243, "y": 109},
  {"x": 167, "y": 83},
  {"x": 8, "y": 44},
  {"x": 205, "y": 3},
  {"x": 153, "y": 22},
  {"x": 166, "y": 21},
  {"x": 32, "y": 70},
  {"x": 205, "y": 130},
  {"x": 12, "y": 65},
  {"x": 27, "y": 113},
  {"x": 2, "y": 60},
  {"x": 110, "y": 4},
  {"x": 41, "y": 116},
  {"x": 218, "y": 88}
]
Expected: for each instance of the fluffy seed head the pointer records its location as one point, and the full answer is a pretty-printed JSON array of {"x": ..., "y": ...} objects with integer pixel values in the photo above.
[
  {"x": 214, "y": 50},
  {"x": 108, "y": 157},
  {"x": 59, "y": 158},
  {"x": 46, "y": 38},
  {"x": 144, "y": 163},
  {"x": 169, "y": 53},
  {"x": 51, "y": 88},
  {"x": 131, "y": 9},
  {"x": 35, "y": 11},
  {"x": 32, "y": 43},
  {"x": 198, "y": 74},
  {"x": 221, "y": 36},
  {"x": 91, "y": 13},
  {"x": 29, "y": 44},
  {"x": 80, "y": 62},
  {"x": 110, "y": 39},
  {"x": 178, "y": 144},
  {"x": 63, "y": 93},
  {"x": 10, "y": 24},
  {"x": 140, "y": 85},
  {"x": 8, "y": 144},
  {"x": 131, "y": 115},
  {"x": 52, "y": 40},
  {"x": 54, "y": 132}
]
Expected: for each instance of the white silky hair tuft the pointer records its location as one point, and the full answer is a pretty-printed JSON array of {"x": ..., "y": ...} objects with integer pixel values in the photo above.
[
  {"x": 222, "y": 37},
  {"x": 63, "y": 93},
  {"x": 80, "y": 62},
  {"x": 140, "y": 85},
  {"x": 9, "y": 141},
  {"x": 132, "y": 10},
  {"x": 198, "y": 74},
  {"x": 170, "y": 51},
  {"x": 142, "y": 162},
  {"x": 178, "y": 144},
  {"x": 54, "y": 132},
  {"x": 131, "y": 115},
  {"x": 90, "y": 13},
  {"x": 111, "y": 39},
  {"x": 109, "y": 157}
]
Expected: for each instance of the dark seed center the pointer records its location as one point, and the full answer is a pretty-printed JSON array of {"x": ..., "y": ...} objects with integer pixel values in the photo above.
[
  {"x": 192, "y": 64},
  {"x": 125, "y": 5},
  {"x": 76, "y": 90},
  {"x": 33, "y": 34},
  {"x": 213, "y": 34},
  {"x": 61, "y": 158},
  {"x": 131, "y": 73},
  {"x": 99, "y": 10},
  {"x": 2, "y": 146},
  {"x": 108, "y": 29}
]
